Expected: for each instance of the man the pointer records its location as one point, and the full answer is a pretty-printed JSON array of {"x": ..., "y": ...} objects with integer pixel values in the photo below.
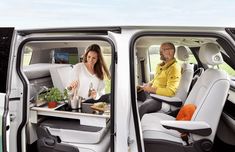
[{"x": 166, "y": 79}]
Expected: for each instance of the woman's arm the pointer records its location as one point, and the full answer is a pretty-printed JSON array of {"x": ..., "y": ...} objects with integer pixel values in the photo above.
[
  {"x": 74, "y": 78},
  {"x": 101, "y": 89}
]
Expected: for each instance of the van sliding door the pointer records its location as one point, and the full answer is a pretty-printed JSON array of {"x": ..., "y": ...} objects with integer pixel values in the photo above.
[{"x": 5, "y": 44}]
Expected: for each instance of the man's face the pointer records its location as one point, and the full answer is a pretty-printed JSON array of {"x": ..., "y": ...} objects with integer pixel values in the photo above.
[{"x": 165, "y": 52}]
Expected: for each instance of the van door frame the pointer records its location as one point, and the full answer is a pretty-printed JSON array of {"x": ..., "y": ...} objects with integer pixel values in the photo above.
[
  {"x": 9, "y": 36},
  {"x": 25, "y": 90},
  {"x": 222, "y": 40}
]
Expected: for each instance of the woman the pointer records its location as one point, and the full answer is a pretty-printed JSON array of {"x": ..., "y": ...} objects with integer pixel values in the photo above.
[{"x": 89, "y": 75}]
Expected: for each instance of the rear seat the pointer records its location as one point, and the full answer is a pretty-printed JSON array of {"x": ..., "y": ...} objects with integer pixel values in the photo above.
[
  {"x": 61, "y": 76},
  {"x": 40, "y": 70},
  {"x": 39, "y": 75}
]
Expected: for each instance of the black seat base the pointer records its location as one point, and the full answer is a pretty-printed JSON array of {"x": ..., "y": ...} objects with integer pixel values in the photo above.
[
  {"x": 153, "y": 145},
  {"x": 50, "y": 143}
]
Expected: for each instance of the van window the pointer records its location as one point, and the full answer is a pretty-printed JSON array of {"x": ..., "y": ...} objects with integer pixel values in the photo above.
[
  {"x": 64, "y": 55},
  {"x": 5, "y": 43},
  {"x": 106, "y": 51},
  {"x": 227, "y": 68},
  {"x": 154, "y": 57},
  {"x": 27, "y": 55}
]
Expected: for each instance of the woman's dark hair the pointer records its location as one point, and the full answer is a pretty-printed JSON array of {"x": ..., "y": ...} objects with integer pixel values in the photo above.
[{"x": 100, "y": 67}]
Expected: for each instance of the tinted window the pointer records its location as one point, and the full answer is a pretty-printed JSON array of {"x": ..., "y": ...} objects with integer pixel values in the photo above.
[
  {"x": 65, "y": 55},
  {"x": 5, "y": 43}
]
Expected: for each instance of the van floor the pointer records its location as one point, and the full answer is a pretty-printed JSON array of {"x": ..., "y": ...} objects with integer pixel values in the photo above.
[
  {"x": 220, "y": 146},
  {"x": 32, "y": 147}
]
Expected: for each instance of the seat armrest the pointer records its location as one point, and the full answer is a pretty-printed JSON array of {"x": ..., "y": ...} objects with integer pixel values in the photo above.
[
  {"x": 175, "y": 101},
  {"x": 195, "y": 127}
]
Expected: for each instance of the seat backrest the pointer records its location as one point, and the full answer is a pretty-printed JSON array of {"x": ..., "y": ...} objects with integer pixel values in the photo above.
[
  {"x": 61, "y": 76},
  {"x": 182, "y": 53},
  {"x": 196, "y": 75},
  {"x": 210, "y": 91},
  {"x": 38, "y": 75}
]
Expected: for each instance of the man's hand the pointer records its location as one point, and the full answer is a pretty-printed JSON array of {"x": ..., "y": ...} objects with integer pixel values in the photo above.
[{"x": 150, "y": 89}]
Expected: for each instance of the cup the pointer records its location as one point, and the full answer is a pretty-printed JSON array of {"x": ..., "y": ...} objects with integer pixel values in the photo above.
[
  {"x": 107, "y": 110},
  {"x": 80, "y": 101},
  {"x": 74, "y": 103}
]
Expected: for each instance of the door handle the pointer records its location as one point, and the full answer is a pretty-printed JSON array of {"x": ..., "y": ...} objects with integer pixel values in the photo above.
[{"x": 12, "y": 117}]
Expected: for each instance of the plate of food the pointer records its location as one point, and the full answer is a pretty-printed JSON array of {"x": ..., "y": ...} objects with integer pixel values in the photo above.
[{"x": 99, "y": 106}]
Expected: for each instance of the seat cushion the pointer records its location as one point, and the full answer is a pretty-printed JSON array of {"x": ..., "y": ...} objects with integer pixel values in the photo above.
[
  {"x": 186, "y": 112},
  {"x": 61, "y": 76},
  {"x": 102, "y": 146},
  {"x": 152, "y": 128}
]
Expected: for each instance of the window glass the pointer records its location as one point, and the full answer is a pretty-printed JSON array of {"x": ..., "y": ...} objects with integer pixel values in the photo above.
[
  {"x": 64, "y": 55},
  {"x": 227, "y": 68},
  {"x": 192, "y": 58},
  {"x": 154, "y": 57},
  {"x": 106, "y": 51},
  {"x": 27, "y": 55}
]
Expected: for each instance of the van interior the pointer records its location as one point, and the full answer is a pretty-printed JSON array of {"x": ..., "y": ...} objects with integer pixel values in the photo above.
[
  {"x": 160, "y": 130},
  {"x": 48, "y": 64}
]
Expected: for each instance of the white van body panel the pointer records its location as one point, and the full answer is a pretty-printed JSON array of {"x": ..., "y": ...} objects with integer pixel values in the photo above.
[
  {"x": 122, "y": 97},
  {"x": 125, "y": 133}
]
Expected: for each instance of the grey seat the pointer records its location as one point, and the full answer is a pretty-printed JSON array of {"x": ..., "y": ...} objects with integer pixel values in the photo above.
[
  {"x": 163, "y": 132},
  {"x": 172, "y": 103},
  {"x": 39, "y": 76},
  {"x": 62, "y": 135}
]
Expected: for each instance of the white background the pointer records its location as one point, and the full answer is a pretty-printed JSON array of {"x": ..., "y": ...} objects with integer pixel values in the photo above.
[{"x": 75, "y": 13}]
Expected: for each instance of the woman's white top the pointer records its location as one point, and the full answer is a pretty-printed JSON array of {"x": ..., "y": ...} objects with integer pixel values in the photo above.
[{"x": 85, "y": 80}]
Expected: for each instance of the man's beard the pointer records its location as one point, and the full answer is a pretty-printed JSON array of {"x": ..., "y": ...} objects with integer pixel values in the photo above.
[{"x": 162, "y": 57}]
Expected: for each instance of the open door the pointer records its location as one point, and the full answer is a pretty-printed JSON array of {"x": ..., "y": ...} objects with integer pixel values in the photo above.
[{"x": 5, "y": 45}]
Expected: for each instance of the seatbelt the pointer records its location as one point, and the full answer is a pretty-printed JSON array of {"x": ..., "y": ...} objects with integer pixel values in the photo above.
[
  {"x": 184, "y": 137},
  {"x": 142, "y": 70}
]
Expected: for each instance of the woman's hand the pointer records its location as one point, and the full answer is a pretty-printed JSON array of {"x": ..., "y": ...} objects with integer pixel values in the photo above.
[
  {"x": 93, "y": 94},
  {"x": 74, "y": 84}
]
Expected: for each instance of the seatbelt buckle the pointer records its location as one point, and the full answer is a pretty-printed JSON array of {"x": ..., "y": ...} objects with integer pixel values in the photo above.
[{"x": 184, "y": 137}]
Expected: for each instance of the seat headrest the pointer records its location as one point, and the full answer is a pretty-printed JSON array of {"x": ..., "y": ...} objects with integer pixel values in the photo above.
[
  {"x": 182, "y": 53},
  {"x": 209, "y": 53}
]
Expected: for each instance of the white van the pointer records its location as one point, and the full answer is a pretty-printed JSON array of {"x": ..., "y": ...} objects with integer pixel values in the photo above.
[{"x": 31, "y": 62}]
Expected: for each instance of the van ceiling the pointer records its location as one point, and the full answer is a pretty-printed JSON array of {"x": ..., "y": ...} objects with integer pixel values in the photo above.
[
  {"x": 147, "y": 41},
  {"x": 44, "y": 45}
]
